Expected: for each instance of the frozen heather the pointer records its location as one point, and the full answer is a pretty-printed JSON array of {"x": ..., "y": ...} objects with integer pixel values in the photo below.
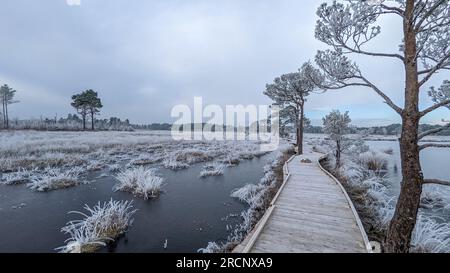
[
  {"x": 102, "y": 224},
  {"x": 140, "y": 181},
  {"x": 212, "y": 169}
]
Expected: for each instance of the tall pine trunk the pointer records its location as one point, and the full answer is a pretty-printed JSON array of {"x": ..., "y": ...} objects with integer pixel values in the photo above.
[
  {"x": 300, "y": 131},
  {"x": 402, "y": 225},
  {"x": 92, "y": 120},
  {"x": 3, "y": 113},
  {"x": 84, "y": 121},
  {"x": 338, "y": 154},
  {"x": 6, "y": 115}
]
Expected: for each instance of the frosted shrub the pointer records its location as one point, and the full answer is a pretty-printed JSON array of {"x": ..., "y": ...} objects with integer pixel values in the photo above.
[
  {"x": 102, "y": 223},
  {"x": 373, "y": 161},
  {"x": 430, "y": 236},
  {"x": 54, "y": 179},
  {"x": 140, "y": 181},
  {"x": 214, "y": 169}
]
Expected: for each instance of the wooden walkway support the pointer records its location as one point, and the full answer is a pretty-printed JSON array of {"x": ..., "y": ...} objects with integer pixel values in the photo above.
[{"x": 310, "y": 213}]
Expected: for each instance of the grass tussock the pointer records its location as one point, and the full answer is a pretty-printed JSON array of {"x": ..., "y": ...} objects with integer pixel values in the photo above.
[
  {"x": 212, "y": 169},
  {"x": 140, "y": 182},
  {"x": 102, "y": 224},
  {"x": 430, "y": 236},
  {"x": 54, "y": 179}
]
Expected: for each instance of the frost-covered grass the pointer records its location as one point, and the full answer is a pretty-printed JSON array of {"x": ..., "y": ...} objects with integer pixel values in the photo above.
[
  {"x": 249, "y": 194},
  {"x": 20, "y": 177},
  {"x": 26, "y": 156},
  {"x": 54, "y": 179},
  {"x": 102, "y": 224},
  {"x": 430, "y": 236},
  {"x": 140, "y": 181},
  {"x": 212, "y": 169}
]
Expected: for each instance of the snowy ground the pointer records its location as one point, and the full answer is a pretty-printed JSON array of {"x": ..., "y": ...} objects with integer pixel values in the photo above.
[{"x": 51, "y": 160}]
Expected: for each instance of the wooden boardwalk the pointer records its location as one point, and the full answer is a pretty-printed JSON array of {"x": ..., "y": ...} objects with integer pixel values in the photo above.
[{"x": 311, "y": 213}]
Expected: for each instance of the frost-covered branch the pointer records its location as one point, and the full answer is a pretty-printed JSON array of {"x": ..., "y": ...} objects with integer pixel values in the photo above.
[
  {"x": 441, "y": 97},
  {"x": 387, "y": 100},
  {"x": 433, "y": 145},
  {"x": 444, "y": 63},
  {"x": 349, "y": 27},
  {"x": 433, "y": 36},
  {"x": 430, "y": 11},
  {"x": 436, "y": 181},
  {"x": 433, "y": 131},
  {"x": 339, "y": 72},
  {"x": 434, "y": 107}
]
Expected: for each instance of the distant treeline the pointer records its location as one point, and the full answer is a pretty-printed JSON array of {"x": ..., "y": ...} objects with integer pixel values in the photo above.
[
  {"x": 74, "y": 123},
  {"x": 71, "y": 123},
  {"x": 153, "y": 126},
  {"x": 389, "y": 130}
]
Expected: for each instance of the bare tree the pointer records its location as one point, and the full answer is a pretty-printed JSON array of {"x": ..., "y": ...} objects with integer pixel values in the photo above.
[
  {"x": 348, "y": 26},
  {"x": 289, "y": 91},
  {"x": 336, "y": 125}
]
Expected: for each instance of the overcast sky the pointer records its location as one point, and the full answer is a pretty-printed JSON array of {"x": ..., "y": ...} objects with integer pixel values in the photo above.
[{"x": 143, "y": 57}]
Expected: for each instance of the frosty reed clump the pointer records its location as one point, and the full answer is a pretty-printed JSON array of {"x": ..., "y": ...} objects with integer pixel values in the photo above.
[
  {"x": 140, "y": 182},
  {"x": 431, "y": 235},
  {"x": 212, "y": 169},
  {"x": 373, "y": 161},
  {"x": 102, "y": 224},
  {"x": 54, "y": 179}
]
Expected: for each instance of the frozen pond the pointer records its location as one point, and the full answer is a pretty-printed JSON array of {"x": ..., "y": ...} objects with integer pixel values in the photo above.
[
  {"x": 191, "y": 212},
  {"x": 435, "y": 162}
]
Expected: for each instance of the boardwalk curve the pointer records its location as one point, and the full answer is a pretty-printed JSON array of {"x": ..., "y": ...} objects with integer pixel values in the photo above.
[{"x": 310, "y": 213}]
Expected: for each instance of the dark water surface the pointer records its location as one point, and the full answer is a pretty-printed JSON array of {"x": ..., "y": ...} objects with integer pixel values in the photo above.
[{"x": 189, "y": 213}]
